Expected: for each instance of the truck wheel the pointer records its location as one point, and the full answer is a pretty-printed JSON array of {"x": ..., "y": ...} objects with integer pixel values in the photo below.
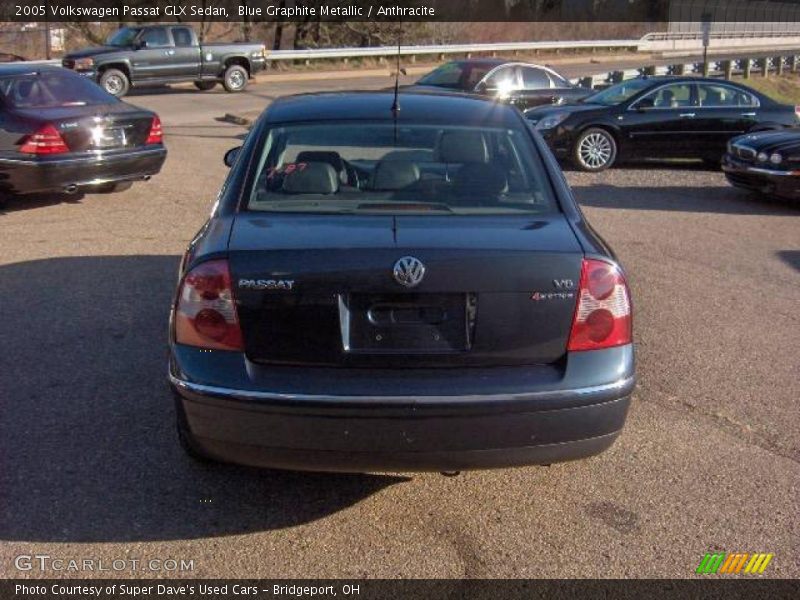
[
  {"x": 115, "y": 82},
  {"x": 204, "y": 86},
  {"x": 235, "y": 78}
]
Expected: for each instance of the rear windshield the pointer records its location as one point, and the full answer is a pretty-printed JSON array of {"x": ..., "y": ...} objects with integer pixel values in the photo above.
[
  {"x": 456, "y": 75},
  {"x": 51, "y": 89},
  {"x": 366, "y": 167},
  {"x": 619, "y": 93},
  {"x": 123, "y": 36}
]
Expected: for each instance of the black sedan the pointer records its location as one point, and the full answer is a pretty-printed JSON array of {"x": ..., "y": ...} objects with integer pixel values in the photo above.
[
  {"x": 658, "y": 117},
  {"x": 62, "y": 133},
  {"x": 522, "y": 84},
  {"x": 768, "y": 163},
  {"x": 398, "y": 290}
]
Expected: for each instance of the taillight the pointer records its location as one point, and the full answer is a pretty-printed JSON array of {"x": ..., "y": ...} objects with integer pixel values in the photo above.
[
  {"x": 156, "y": 135},
  {"x": 797, "y": 112},
  {"x": 45, "y": 140},
  {"x": 603, "y": 315},
  {"x": 205, "y": 315}
]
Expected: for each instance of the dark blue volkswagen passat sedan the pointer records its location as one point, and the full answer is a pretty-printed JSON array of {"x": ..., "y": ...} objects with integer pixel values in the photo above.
[{"x": 410, "y": 289}]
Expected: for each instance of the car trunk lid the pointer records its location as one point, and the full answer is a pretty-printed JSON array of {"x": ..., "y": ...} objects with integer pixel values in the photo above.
[
  {"x": 105, "y": 127},
  {"x": 321, "y": 289}
]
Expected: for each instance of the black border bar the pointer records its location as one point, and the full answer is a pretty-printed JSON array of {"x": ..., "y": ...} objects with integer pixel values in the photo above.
[{"x": 379, "y": 589}]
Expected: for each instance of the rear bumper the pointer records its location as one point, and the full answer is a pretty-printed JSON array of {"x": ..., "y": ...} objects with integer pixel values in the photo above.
[
  {"x": 488, "y": 418},
  {"x": 57, "y": 173},
  {"x": 772, "y": 182}
]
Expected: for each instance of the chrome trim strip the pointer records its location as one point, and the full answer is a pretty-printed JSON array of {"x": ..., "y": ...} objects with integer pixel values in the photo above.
[
  {"x": 249, "y": 395},
  {"x": 759, "y": 171},
  {"x": 102, "y": 157}
]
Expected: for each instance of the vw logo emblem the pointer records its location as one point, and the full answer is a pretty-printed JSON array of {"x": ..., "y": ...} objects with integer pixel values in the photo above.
[{"x": 408, "y": 271}]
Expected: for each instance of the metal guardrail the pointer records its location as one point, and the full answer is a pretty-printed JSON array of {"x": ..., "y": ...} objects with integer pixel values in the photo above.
[
  {"x": 730, "y": 35},
  {"x": 747, "y": 67},
  {"x": 443, "y": 49}
]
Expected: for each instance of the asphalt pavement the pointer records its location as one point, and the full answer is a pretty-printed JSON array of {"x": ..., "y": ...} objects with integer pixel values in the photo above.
[{"x": 90, "y": 467}]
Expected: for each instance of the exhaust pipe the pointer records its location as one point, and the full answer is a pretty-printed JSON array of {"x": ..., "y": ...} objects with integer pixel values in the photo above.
[
  {"x": 70, "y": 189},
  {"x": 146, "y": 177}
]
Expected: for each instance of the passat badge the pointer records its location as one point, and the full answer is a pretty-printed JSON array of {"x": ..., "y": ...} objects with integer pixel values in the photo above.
[
  {"x": 266, "y": 284},
  {"x": 408, "y": 271}
]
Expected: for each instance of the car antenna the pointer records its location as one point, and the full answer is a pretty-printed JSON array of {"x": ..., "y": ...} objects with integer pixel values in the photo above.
[{"x": 396, "y": 102}]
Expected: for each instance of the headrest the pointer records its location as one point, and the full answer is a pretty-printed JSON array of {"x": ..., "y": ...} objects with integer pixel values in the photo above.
[
  {"x": 462, "y": 147},
  {"x": 315, "y": 178},
  {"x": 334, "y": 159},
  {"x": 24, "y": 88},
  {"x": 483, "y": 180},
  {"x": 394, "y": 175},
  {"x": 713, "y": 96}
]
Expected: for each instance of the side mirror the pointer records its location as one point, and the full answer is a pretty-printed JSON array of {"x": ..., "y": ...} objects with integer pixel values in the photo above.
[
  {"x": 231, "y": 155},
  {"x": 645, "y": 104},
  {"x": 140, "y": 44}
]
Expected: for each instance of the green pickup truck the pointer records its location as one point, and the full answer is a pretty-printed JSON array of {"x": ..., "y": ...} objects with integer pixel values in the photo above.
[{"x": 161, "y": 54}]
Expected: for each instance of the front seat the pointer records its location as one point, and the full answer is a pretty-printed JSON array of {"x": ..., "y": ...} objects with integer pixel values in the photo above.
[
  {"x": 334, "y": 159},
  {"x": 26, "y": 93},
  {"x": 314, "y": 178},
  {"x": 667, "y": 100},
  {"x": 461, "y": 147},
  {"x": 478, "y": 176},
  {"x": 390, "y": 175}
]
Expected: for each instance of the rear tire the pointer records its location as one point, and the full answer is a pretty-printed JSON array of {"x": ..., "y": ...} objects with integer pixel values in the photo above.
[
  {"x": 115, "y": 82},
  {"x": 204, "y": 86},
  {"x": 235, "y": 78},
  {"x": 595, "y": 150}
]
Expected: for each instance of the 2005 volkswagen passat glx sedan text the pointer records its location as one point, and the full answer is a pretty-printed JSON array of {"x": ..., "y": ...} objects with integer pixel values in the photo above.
[{"x": 410, "y": 289}]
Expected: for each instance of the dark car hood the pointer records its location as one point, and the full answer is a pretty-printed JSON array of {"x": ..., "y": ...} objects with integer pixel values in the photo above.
[
  {"x": 771, "y": 141},
  {"x": 539, "y": 112},
  {"x": 94, "y": 51}
]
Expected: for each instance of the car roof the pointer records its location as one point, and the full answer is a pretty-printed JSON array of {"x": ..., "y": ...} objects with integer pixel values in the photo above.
[
  {"x": 484, "y": 62},
  {"x": 422, "y": 107},
  {"x": 658, "y": 79},
  {"x": 27, "y": 69}
]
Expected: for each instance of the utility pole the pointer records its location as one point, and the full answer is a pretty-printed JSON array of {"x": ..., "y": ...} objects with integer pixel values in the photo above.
[
  {"x": 47, "y": 48},
  {"x": 706, "y": 41}
]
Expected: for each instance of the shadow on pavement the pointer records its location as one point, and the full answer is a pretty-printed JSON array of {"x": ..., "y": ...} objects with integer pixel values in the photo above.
[
  {"x": 87, "y": 445},
  {"x": 704, "y": 199},
  {"x": 15, "y": 203},
  {"x": 791, "y": 258}
]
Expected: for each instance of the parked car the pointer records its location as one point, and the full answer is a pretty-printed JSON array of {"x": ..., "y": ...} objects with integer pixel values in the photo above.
[
  {"x": 658, "y": 117},
  {"x": 521, "y": 84},
  {"x": 161, "y": 54},
  {"x": 768, "y": 163},
  {"x": 62, "y": 133},
  {"x": 398, "y": 290}
]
